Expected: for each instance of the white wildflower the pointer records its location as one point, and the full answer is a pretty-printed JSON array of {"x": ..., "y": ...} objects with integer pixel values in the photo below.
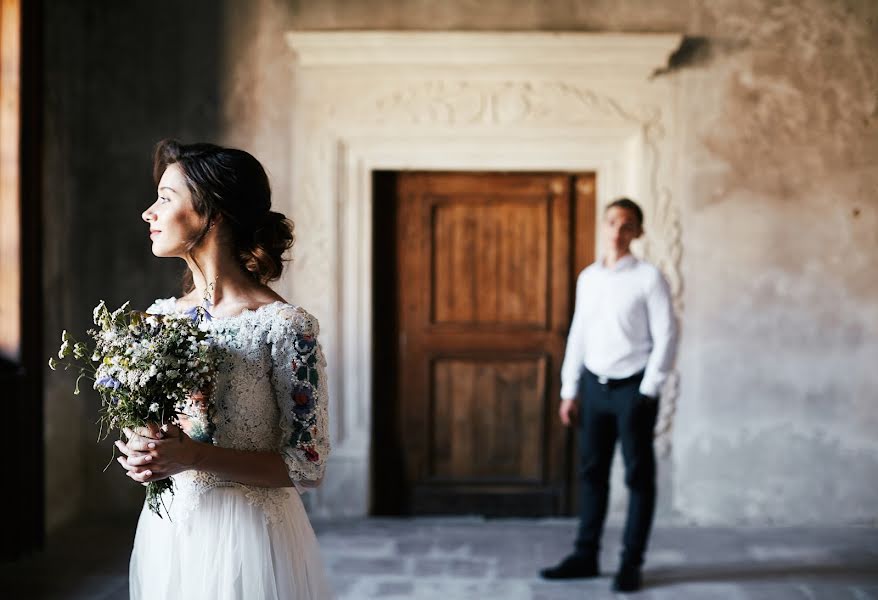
[
  {"x": 119, "y": 310},
  {"x": 154, "y": 407},
  {"x": 97, "y": 311}
]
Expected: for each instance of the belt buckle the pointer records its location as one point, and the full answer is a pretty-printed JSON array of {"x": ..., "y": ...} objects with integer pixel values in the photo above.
[{"x": 603, "y": 380}]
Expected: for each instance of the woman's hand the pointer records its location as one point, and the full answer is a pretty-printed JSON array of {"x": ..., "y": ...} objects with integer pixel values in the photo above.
[{"x": 148, "y": 458}]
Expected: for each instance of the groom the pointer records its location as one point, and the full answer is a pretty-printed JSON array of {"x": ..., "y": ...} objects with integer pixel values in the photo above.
[{"x": 619, "y": 352}]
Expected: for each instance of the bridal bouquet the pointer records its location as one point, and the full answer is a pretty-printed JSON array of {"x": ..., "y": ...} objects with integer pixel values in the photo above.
[{"x": 146, "y": 369}]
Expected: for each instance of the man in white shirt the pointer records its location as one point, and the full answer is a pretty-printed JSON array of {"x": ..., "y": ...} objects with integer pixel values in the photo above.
[{"x": 619, "y": 352}]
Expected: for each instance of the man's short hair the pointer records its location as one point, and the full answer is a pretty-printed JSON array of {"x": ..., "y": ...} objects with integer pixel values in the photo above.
[{"x": 627, "y": 204}]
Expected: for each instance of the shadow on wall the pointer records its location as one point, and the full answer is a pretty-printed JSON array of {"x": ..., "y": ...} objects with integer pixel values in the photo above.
[{"x": 117, "y": 79}]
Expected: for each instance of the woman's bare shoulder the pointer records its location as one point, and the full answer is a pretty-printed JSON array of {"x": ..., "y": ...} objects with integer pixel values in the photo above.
[
  {"x": 264, "y": 295},
  {"x": 275, "y": 297}
]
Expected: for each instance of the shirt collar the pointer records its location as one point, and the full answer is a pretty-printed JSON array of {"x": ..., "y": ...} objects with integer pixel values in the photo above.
[{"x": 623, "y": 263}]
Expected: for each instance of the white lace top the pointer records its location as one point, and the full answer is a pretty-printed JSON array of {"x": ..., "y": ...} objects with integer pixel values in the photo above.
[{"x": 270, "y": 395}]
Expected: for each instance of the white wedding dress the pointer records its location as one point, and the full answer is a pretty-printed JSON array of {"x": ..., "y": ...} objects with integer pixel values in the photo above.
[{"x": 225, "y": 540}]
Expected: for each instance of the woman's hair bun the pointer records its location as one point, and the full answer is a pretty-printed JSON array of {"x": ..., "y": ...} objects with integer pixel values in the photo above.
[{"x": 270, "y": 241}]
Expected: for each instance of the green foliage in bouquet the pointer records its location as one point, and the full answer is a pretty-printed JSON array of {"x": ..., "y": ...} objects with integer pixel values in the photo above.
[{"x": 144, "y": 367}]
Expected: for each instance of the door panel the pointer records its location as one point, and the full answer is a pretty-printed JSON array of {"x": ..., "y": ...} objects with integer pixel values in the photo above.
[
  {"x": 488, "y": 420},
  {"x": 508, "y": 283}
]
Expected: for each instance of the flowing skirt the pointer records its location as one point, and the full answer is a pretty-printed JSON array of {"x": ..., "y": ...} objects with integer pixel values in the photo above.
[{"x": 226, "y": 549}]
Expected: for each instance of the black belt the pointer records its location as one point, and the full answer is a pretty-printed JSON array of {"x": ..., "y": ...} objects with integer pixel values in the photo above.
[{"x": 615, "y": 382}]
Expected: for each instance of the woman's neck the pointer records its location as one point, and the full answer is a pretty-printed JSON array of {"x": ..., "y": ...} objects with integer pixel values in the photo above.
[{"x": 217, "y": 276}]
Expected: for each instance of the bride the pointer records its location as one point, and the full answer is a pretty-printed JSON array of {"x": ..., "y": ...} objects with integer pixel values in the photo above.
[{"x": 244, "y": 451}]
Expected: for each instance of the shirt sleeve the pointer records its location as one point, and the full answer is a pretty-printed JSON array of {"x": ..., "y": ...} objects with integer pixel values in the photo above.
[
  {"x": 574, "y": 354},
  {"x": 299, "y": 382},
  {"x": 663, "y": 330}
]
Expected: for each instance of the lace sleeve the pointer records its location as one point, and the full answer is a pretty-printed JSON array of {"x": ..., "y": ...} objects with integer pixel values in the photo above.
[{"x": 299, "y": 382}]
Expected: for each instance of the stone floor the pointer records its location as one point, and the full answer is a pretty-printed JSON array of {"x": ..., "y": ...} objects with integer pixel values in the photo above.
[{"x": 452, "y": 559}]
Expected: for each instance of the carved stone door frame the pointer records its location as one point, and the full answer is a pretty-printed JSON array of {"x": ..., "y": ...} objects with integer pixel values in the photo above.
[{"x": 367, "y": 101}]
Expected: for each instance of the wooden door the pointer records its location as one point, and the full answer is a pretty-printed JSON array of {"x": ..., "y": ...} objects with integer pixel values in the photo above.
[{"x": 483, "y": 294}]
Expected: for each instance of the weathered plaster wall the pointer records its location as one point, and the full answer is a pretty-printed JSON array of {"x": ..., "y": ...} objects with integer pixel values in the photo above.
[
  {"x": 778, "y": 410},
  {"x": 780, "y": 224}
]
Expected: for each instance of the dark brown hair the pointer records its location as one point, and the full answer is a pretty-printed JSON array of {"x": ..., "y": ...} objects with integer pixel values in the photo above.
[
  {"x": 627, "y": 204},
  {"x": 231, "y": 184}
]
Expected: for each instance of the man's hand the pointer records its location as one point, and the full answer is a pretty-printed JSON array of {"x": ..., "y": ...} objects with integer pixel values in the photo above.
[{"x": 568, "y": 411}]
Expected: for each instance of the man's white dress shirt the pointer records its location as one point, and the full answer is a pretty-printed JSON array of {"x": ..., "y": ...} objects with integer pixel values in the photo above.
[{"x": 623, "y": 323}]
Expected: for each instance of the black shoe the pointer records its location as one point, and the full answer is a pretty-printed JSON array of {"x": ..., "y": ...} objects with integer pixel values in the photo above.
[
  {"x": 627, "y": 580},
  {"x": 573, "y": 567}
]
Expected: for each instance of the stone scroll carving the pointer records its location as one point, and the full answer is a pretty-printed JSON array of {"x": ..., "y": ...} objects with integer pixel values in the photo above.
[{"x": 467, "y": 103}]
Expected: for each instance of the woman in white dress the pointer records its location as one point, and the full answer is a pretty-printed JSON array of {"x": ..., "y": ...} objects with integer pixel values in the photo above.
[{"x": 236, "y": 527}]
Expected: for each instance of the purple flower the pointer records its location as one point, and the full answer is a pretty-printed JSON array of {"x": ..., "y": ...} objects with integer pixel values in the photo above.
[
  {"x": 195, "y": 313},
  {"x": 109, "y": 382}
]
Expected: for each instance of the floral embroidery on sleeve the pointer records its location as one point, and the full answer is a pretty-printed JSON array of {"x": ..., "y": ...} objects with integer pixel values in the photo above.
[{"x": 302, "y": 397}]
